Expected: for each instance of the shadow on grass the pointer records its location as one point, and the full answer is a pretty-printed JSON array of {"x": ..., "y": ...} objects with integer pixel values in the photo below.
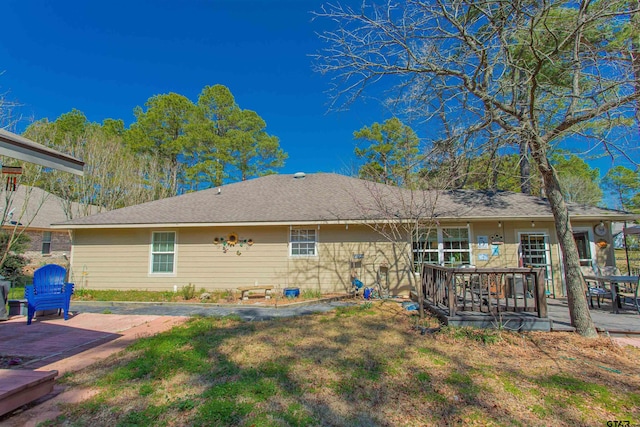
[{"x": 357, "y": 366}]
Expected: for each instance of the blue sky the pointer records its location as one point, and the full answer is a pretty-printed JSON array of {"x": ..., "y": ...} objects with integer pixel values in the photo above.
[{"x": 105, "y": 58}]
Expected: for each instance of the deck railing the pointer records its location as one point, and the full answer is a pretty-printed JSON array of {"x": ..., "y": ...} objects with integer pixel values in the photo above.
[{"x": 485, "y": 290}]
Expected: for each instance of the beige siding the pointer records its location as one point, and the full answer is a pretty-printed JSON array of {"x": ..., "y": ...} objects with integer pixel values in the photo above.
[
  {"x": 509, "y": 255},
  {"x": 508, "y": 252},
  {"x": 119, "y": 259}
]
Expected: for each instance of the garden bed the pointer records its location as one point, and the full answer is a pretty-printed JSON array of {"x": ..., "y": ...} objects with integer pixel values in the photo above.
[{"x": 217, "y": 297}]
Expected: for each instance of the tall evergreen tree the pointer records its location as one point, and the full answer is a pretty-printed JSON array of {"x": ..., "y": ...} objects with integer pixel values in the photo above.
[
  {"x": 161, "y": 130},
  {"x": 393, "y": 154}
]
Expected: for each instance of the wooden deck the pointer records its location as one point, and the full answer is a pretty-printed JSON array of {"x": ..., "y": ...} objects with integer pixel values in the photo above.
[
  {"x": 510, "y": 298},
  {"x": 520, "y": 321},
  {"x": 21, "y": 386}
]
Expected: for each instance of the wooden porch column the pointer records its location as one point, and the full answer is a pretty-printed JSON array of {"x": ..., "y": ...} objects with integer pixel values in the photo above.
[
  {"x": 451, "y": 294},
  {"x": 541, "y": 296}
]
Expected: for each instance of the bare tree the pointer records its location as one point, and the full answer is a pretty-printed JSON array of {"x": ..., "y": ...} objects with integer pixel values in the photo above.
[
  {"x": 570, "y": 80},
  {"x": 8, "y": 119},
  {"x": 403, "y": 218},
  {"x": 114, "y": 175},
  {"x": 17, "y": 213}
]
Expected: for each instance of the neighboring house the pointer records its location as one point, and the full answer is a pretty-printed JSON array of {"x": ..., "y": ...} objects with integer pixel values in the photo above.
[
  {"x": 31, "y": 210},
  {"x": 318, "y": 231},
  {"x": 42, "y": 236}
]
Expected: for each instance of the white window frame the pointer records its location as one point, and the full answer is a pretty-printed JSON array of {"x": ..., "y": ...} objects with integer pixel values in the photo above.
[
  {"x": 441, "y": 250},
  {"x": 418, "y": 253},
  {"x": 592, "y": 244},
  {"x": 444, "y": 252},
  {"x": 174, "y": 253},
  {"x": 293, "y": 243},
  {"x": 46, "y": 241},
  {"x": 543, "y": 232}
]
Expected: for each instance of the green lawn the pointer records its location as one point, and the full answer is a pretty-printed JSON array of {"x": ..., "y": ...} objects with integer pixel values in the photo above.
[
  {"x": 367, "y": 365},
  {"x": 186, "y": 293},
  {"x": 137, "y": 295}
]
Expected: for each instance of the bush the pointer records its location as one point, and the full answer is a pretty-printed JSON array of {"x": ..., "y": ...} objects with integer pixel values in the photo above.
[
  {"x": 188, "y": 291},
  {"x": 311, "y": 294},
  {"x": 12, "y": 269}
]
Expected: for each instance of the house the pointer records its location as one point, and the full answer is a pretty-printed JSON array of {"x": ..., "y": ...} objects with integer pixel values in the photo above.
[
  {"x": 31, "y": 211},
  {"x": 319, "y": 231}
]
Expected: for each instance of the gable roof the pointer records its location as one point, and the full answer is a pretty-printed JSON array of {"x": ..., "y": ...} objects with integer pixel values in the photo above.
[
  {"x": 325, "y": 198},
  {"x": 21, "y": 148},
  {"x": 34, "y": 208}
]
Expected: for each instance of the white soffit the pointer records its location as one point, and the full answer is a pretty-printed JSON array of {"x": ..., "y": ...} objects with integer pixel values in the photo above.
[{"x": 18, "y": 147}]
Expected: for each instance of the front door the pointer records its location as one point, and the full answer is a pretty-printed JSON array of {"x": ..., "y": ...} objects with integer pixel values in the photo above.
[{"x": 535, "y": 252}]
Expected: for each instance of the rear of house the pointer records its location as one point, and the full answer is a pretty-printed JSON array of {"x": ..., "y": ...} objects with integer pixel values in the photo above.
[{"x": 319, "y": 231}]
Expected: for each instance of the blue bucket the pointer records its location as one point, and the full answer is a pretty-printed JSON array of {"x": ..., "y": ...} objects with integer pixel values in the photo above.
[
  {"x": 367, "y": 293},
  {"x": 410, "y": 305},
  {"x": 291, "y": 292}
]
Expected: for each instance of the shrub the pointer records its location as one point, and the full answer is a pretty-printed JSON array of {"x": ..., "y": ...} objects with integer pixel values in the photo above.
[
  {"x": 14, "y": 263},
  {"x": 311, "y": 294},
  {"x": 188, "y": 291},
  {"x": 12, "y": 269}
]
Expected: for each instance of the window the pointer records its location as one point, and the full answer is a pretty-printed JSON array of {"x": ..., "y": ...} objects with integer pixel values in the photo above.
[
  {"x": 425, "y": 248},
  {"x": 303, "y": 242},
  {"x": 451, "y": 245},
  {"x": 46, "y": 242},
  {"x": 583, "y": 244},
  {"x": 455, "y": 242},
  {"x": 163, "y": 252}
]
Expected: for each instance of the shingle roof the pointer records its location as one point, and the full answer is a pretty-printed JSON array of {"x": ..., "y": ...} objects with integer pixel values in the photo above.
[
  {"x": 40, "y": 210},
  {"x": 325, "y": 197}
]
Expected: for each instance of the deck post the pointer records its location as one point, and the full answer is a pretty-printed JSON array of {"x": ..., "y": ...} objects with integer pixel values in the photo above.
[
  {"x": 451, "y": 296},
  {"x": 541, "y": 296}
]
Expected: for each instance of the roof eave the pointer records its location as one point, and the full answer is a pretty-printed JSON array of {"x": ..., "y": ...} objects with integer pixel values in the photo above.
[
  {"x": 18, "y": 147},
  {"x": 212, "y": 224},
  {"x": 607, "y": 217}
]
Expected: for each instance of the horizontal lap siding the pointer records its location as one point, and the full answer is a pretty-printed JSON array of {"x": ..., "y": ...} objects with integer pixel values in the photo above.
[
  {"x": 338, "y": 244},
  {"x": 110, "y": 259},
  {"x": 509, "y": 251},
  {"x": 219, "y": 266},
  {"x": 119, "y": 259}
]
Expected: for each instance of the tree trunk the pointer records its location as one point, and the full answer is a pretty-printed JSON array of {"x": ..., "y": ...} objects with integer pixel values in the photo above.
[
  {"x": 173, "y": 185},
  {"x": 577, "y": 300}
]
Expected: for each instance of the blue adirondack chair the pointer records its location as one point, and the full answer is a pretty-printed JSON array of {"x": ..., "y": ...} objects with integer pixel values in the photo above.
[{"x": 49, "y": 291}]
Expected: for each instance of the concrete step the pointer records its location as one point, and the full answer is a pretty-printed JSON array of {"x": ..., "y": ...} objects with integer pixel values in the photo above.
[{"x": 21, "y": 386}]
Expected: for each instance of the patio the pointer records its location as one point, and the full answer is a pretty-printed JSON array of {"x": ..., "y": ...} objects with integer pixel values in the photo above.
[{"x": 51, "y": 347}]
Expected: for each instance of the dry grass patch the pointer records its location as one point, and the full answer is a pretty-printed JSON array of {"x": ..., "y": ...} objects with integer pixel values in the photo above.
[{"x": 366, "y": 365}]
